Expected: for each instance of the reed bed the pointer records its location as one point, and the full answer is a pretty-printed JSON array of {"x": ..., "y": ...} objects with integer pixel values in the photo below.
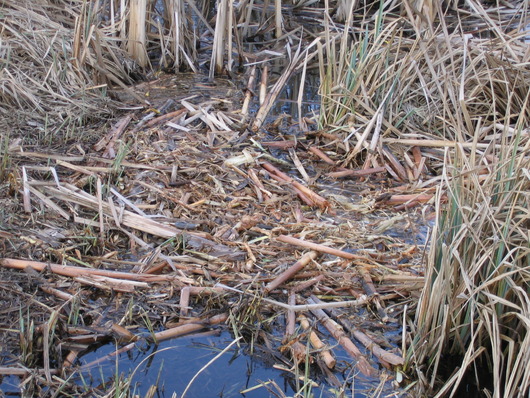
[
  {"x": 61, "y": 61},
  {"x": 471, "y": 330},
  {"x": 55, "y": 67},
  {"x": 459, "y": 96},
  {"x": 474, "y": 310},
  {"x": 389, "y": 84},
  {"x": 432, "y": 94}
]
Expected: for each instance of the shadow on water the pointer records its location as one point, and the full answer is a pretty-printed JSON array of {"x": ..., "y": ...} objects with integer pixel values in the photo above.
[{"x": 287, "y": 102}]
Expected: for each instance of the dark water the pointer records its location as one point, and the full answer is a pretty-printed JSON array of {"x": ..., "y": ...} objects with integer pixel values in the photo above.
[
  {"x": 9, "y": 386},
  {"x": 173, "y": 364},
  {"x": 235, "y": 373}
]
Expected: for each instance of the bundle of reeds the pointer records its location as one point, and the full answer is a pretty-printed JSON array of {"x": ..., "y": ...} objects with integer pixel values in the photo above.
[{"x": 136, "y": 44}]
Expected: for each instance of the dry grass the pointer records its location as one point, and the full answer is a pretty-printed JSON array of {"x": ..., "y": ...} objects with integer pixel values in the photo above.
[
  {"x": 474, "y": 309},
  {"x": 475, "y": 304},
  {"x": 60, "y": 60},
  {"x": 54, "y": 66},
  {"x": 419, "y": 82},
  {"x": 393, "y": 84}
]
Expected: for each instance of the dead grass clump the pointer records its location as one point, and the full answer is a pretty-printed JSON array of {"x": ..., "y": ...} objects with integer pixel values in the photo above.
[
  {"x": 475, "y": 302},
  {"x": 59, "y": 60},
  {"x": 51, "y": 66},
  {"x": 474, "y": 309},
  {"x": 393, "y": 86}
]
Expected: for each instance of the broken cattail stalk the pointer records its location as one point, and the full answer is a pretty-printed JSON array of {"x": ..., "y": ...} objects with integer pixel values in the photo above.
[
  {"x": 71, "y": 271},
  {"x": 320, "y": 248},
  {"x": 279, "y": 144},
  {"x": 57, "y": 293},
  {"x": 6, "y": 370},
  {"x": 336, "y": 331},
  {"x": 401, "y": 199},
  {"x": 187, "y": 291},
  {"x": 291, "y": 271},
  {"x": 72, "y": 355},
  {"x": 249, "y": 92},
  {"x": 383, "y": 355},
  {"x": 371, "y": 291},
  {"x": 189, "y": 328},
  {"x": 302, "y": 307},
  {"x": 394, "y": 163},
  {"x": 122, "y": 334},
  {"x": 26, "y": 190},
  {"x": 117, "y": 130},
  {"x": 165, "y": 117},
  {"x": 308, "y": 283},
  {"x": 301, "y": 93},
  {"x": 324, "y": 353},
  {"x": 307, "y": 195},
  {"x": 111, "y": 284},
  {"x": 317, "y": 151},
  {"x": 263, "y": 84},
  {"x": 299, "y": 166},
  {"x": 297, "y": 349},
  {"x": 157, "y": 268},
  {"x": 222, "y": 37},
  {"x": 356, "y": 173},
  {"x": 278, "y": 17},
  {"x": 290, "y": 326},
  {"x": 101, "y": 219}
]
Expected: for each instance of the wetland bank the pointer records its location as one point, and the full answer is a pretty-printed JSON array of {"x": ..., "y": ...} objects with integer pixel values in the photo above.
[{"x": 313, "y": 198}]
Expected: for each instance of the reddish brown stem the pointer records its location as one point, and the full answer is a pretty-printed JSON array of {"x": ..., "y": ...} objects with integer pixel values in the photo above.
[
  {"x": 291, "y": 271},
  {"x": 319, "y": 248}
]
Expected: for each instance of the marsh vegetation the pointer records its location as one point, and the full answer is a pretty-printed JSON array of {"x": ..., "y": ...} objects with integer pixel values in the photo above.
[{"x": 163, "y": 171}]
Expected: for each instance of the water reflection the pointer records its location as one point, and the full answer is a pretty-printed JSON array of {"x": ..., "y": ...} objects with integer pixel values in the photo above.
[{"x": 173, "y": 364}]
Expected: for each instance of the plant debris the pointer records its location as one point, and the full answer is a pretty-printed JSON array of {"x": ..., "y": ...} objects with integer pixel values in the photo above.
[
  {"x": 189, "y": 216},
  {"x": 204, "y": 204}
]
